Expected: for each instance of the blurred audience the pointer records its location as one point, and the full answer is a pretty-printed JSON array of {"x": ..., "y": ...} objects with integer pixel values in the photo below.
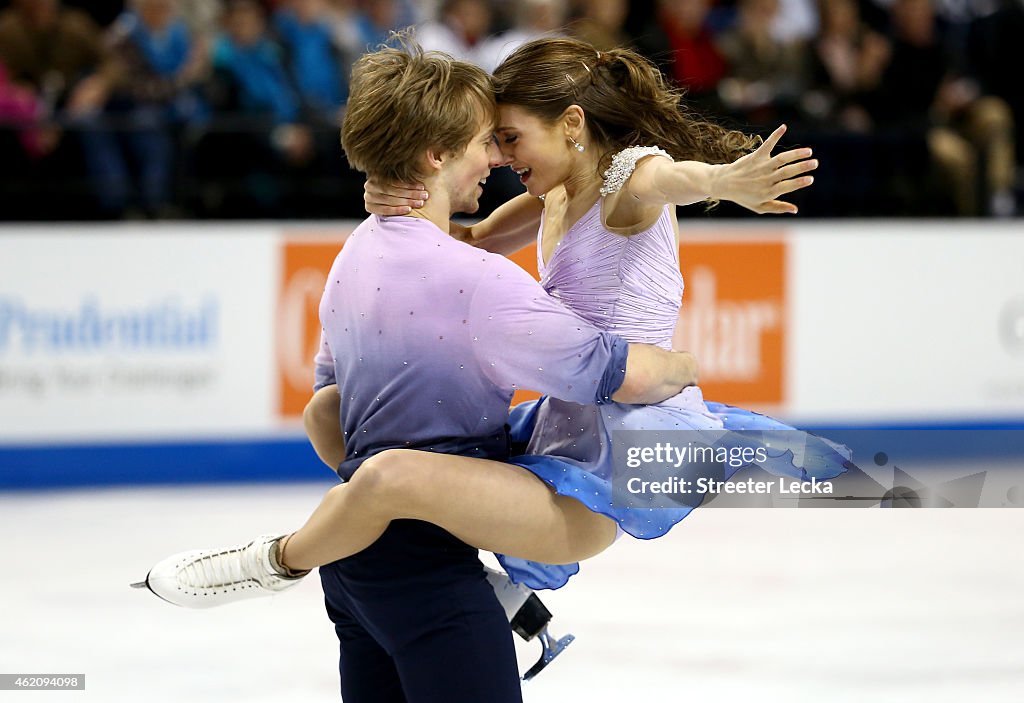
[
  {"x": 970, "y": 136},
  {"x": 532, "y": 19},
  {"x": 846, "y": 61},
  {"x": 155, "y": 92},
  {"x": 680, "y": 40},
  {"x": 765, "y": 76},
  {"x": 602, "y": 23},
  {"x": 461, "y": 29},
  {"x": 230, "y": 108},
  {"x": 995, "y": 55},
  {"x": 20, "y": 112},
  {"x": 363, "y": 25},
  {"x": 316, "y": 64}
]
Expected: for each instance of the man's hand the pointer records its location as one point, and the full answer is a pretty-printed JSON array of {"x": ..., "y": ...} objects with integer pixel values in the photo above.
[{"x": 654, "y": 375}]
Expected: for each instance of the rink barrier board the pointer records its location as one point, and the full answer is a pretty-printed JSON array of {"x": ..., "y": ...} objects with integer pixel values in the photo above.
[
  {"x": 854, "y": 324},
  {"x": 291, "y": 459}
]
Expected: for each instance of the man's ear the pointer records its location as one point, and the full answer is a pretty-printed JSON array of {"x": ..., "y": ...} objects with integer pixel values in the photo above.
[{"x": 433, "y": 159}]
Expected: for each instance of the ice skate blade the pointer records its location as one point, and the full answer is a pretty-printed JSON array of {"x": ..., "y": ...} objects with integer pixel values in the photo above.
[
  {"x": 550, "y": 648},
  {"x": 140, "y": 584}
]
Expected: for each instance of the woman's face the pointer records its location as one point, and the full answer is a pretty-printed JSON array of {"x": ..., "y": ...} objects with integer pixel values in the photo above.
[{"x": 539, "y": 151}]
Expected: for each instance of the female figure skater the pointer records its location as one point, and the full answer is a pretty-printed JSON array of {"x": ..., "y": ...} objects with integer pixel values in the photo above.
[{"x": 606, "y": 153}]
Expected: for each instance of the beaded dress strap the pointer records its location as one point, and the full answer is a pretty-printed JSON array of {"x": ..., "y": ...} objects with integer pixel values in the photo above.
[{"x": 623, "y": 165}]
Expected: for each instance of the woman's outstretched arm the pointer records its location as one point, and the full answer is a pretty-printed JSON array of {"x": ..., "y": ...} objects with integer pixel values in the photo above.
[{"x": 755, "y": 181}]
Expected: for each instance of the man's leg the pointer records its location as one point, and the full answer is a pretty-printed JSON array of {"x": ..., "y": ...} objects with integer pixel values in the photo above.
[
  {"x": 368, "y": 673},
  {"x": 468, "y": 658},
  {"x": 425, "y": 598}
]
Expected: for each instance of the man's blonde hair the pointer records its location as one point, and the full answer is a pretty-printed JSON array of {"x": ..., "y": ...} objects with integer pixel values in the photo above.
[{"x": 404, "y": 101}]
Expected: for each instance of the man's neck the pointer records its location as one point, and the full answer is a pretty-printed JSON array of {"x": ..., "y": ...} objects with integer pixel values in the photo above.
[{"x": 436, "y": 209}]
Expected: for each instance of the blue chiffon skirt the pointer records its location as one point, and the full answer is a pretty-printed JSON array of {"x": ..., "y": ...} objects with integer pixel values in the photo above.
[{"x": 817, "y": 459}]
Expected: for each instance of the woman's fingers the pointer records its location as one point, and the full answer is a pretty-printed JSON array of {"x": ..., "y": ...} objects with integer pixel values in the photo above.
[
  {"x": 382, "y": 211},
  {"x": 772, "y": 139},
  {"x": 778, "y": 207},
  {"x": 791, "y": 185},
  {"x": 390, "y": 200},
  {"x": 796, "y": 169},
  {"x": 788, "y": 157},
  {"x": 408, "y": 191}
]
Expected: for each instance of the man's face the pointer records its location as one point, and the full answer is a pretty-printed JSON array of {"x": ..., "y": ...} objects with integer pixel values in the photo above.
[{"x": 464, "y": 175}]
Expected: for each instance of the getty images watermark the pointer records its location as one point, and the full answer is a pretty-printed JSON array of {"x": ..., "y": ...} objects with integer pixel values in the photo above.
[
  {"x": 684, "y": 459},
  {"x": 681, "y": 469}
]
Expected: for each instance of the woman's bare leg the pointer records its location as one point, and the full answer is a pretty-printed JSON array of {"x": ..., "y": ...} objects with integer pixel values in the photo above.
[{"x": 490, "y": 505}]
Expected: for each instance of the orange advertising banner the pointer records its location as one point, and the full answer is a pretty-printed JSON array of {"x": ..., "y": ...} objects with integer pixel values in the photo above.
[
  {"x": 304, "y": 268},
  {"x": 733, "y": 316}
]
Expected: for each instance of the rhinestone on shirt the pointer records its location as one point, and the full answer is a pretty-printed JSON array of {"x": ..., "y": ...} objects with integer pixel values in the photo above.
[{"x": 623, "y": 165}]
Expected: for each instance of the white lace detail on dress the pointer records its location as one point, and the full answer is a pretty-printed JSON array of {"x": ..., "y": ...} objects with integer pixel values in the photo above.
[{"x": 623, "y": 165}]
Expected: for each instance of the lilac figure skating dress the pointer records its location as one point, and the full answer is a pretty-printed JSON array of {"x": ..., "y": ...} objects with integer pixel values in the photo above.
[{"x": 632, "y": 286}]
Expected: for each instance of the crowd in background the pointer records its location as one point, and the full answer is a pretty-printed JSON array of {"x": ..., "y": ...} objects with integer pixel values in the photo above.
[{"x": 230, "y": 108}]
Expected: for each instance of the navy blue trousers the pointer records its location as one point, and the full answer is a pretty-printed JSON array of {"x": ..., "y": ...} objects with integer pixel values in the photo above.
[{"x": 417, "y": 622}]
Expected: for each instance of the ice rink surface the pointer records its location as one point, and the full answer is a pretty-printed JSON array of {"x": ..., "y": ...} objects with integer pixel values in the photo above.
[{"x": 734, "y": 605}]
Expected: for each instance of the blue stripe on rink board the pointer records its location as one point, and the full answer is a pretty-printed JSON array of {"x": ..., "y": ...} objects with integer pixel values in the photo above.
[
  {"x": 41, "y": 466},
  {"x": 212, "y": 461}
]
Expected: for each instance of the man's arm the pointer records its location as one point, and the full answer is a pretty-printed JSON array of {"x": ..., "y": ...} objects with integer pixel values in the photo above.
[
  {"x": 653, "y": 374},
  {"x": 524, "y": 338},
  {"x": 322, "y": 420}
]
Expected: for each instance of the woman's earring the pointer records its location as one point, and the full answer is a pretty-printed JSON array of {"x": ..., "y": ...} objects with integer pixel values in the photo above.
[{"x": 576, "y": 145}]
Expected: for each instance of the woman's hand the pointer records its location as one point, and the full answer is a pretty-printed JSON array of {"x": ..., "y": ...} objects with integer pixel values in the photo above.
[
  {"x": 391, "y": 199},
  {"x": 757, "y": 181}
]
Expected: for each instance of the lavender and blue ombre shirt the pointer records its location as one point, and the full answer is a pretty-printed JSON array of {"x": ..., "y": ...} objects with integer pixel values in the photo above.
[{"x": 427, "y": 339}]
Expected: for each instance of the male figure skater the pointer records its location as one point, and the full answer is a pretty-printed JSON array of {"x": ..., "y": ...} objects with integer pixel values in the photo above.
[{"x": 426, "y": 337}]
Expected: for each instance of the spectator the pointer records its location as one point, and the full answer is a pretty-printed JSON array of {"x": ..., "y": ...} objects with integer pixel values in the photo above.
[
  {"x": 20, "y": 112},
  {"x": 534, "y": 19},
  {"x": 460, "y": 30},
  {"x": 202, "y": 17},
  {"x": 158, "y": 71},
  {"x": 695, "y": 62},
  {"x": 765, "y": 76},
  {"x": 315, "y": 63},
  {"x": 796, "y": 21},
  {"x": 602, "y": 23},
  {"x": 57, "y": 52},
  {"x": 58, "y": 55},
  {"x": 257, "y": 134},
  {"x": 964, "y": 129},
  {"x": 367, "y": 25},
  {"x": 846, "y": 62},
  {"x": 996, "y": 54}
]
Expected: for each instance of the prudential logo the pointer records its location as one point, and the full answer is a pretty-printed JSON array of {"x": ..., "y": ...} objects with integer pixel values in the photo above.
[{"x": 164, "y": 325}]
